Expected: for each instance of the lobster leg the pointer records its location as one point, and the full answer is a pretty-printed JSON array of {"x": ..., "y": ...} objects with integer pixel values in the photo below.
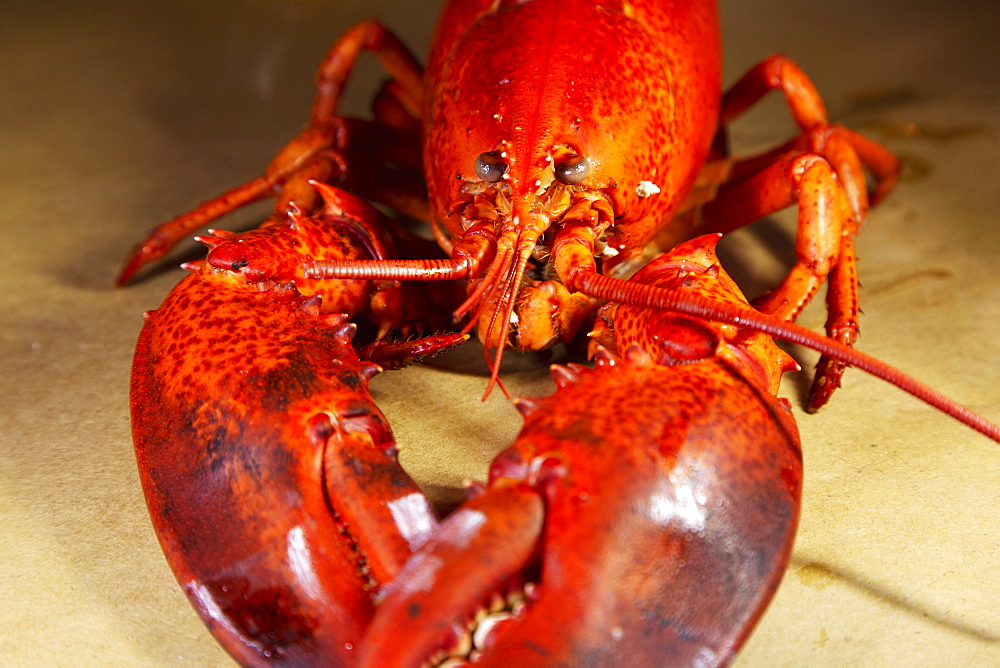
[
  {"x": 824, "y": 219},
  {"x": 327, "y": 147},
  {"x": 764, "y": 184},
  {"x": 824, "y": 247},
  {"x": 779, "y": 72}
]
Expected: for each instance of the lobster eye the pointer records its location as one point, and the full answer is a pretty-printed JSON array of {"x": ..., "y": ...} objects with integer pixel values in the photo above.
[
  {"x": 573, "y": 170},
  {"x": 490, "y": 167}
]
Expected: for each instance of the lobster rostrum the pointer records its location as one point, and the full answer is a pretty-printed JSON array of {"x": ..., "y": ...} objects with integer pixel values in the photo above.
[{"x": 559, "y": 141}]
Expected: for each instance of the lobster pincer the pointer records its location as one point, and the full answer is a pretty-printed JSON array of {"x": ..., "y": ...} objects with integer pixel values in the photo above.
[
  {"x": 256, "y": 438},
  {"x": 670, "y": 486}
]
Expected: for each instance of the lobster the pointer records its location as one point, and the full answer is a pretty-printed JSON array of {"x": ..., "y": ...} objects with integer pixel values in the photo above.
[{"x": 272, "y": 477}]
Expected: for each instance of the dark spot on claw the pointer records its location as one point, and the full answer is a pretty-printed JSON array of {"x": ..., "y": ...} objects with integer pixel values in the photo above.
[
  {"x": 240, "y": 264},
  {"x": 414, "y": 610},
  {"x": 536, "y": 648}
]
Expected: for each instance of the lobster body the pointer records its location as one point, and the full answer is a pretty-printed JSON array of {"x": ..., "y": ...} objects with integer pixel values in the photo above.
[
  {"x": 526, "y": 110},
  {"x": 647, "y": 509}
]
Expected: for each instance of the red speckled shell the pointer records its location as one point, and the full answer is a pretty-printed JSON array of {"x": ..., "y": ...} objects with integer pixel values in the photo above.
[
  {"x": 224, "y": 384},
  {"x": 671, "y": 502},
  {"x": 682, "y": 489},
  {"x": 634, "y": 87},
  {"x": 247, "y": 407}
]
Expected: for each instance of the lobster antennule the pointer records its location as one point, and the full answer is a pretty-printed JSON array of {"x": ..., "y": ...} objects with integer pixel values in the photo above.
[
  {"x": 586, "y": 280},
  {"x": 512, "y": 273}
]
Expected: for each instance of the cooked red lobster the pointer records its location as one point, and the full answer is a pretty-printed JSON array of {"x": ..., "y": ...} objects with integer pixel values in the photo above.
[{"x": 648, "y": 507}]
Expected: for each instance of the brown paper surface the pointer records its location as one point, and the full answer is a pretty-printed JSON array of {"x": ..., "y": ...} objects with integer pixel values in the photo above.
[{"x": 116, "y": 116}]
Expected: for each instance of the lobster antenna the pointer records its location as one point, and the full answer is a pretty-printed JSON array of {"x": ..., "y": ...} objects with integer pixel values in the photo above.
[
  {"x": 637, "y": 294},
  {"x": 587, "y": 280}
]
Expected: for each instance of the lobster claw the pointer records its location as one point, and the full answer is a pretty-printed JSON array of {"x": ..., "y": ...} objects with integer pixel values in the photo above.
[
  {"x": 270, "y": 475},
  {"x": 663, "y": 538}
]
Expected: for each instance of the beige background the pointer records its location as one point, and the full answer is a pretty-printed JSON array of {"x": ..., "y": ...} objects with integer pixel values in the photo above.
[{"x": 114, "y": 116}]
